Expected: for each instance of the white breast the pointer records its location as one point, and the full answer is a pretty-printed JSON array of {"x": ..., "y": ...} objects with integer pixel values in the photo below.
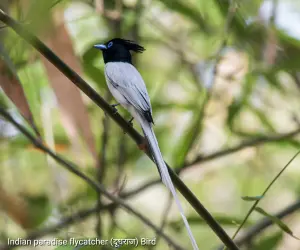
[{"x": 127, "y": 85}]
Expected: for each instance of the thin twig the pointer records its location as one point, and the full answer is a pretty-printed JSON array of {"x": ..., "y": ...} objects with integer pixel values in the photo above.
[
  {"x": 75, "y": 170},
  {"x": 200, "y": 159},
  {"x": 266, "y": 222},
  {"x": 98, "y": 100},
  {"x": 141, "y": 188},
  {"x": 246, "y": 144},
  {"x": 263, "y": 195}
]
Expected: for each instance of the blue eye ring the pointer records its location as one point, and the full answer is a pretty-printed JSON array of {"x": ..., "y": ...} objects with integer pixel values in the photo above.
[{"x": 110, "y": 44}]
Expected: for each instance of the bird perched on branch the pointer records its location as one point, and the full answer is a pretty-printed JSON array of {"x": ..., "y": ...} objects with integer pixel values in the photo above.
[{"x": 128, "y": 88}]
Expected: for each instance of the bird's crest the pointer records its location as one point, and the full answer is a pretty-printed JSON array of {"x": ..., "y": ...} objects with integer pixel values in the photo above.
[{"x": 130, "y": 45}]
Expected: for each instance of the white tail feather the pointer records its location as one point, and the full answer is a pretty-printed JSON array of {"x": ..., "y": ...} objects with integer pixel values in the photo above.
[{"x": 150, "y": 136}]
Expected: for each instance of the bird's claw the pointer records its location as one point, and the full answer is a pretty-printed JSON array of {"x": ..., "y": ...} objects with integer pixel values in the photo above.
[
  {"x": 115, "y": 110},
  {"x": 130, "y": 122},
  {"x": 113, "y": 106}
]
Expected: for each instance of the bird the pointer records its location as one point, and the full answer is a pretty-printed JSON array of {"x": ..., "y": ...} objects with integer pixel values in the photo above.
[{"x": 128, "y": 88}]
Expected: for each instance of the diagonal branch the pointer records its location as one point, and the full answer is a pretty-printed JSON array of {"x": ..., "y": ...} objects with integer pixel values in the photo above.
[
  {"x": 98, "y": 100},
  {"x": 74, "y": 169},
  {"x": 246, "y": 144}
]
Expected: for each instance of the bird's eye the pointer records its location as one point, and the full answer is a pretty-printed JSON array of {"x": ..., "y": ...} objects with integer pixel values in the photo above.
[{"x": 109, "y": 45}]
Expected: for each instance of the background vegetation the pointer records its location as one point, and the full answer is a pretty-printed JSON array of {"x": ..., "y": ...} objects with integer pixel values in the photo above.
[{"x": 224, "y": 83}]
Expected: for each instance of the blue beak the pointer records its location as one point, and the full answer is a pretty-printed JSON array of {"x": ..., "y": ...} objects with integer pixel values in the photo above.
[{"x": 100, "y": 46}]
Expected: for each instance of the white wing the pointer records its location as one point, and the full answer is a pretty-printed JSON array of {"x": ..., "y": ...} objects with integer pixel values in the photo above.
[{"x": 125, "y": 78}]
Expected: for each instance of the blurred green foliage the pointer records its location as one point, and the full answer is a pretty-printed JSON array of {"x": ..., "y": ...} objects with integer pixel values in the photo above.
[{"x": 255, "y": 93}]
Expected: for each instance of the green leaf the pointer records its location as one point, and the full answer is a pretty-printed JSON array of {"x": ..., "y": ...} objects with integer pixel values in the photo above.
[
  {"x": 277, "y": 221},
  {"x": 252, "y": 198},
  {"x": 269, "y": 242},
  {"x": 254, "y": 206}
]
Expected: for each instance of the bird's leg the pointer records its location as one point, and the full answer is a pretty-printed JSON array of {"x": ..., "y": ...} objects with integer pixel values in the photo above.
[
  {"x": 114, "y": 107},
  {"x": 130, "y": 121}
]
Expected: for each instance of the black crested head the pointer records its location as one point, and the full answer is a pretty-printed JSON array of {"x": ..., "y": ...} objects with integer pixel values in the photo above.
[
  {"x": 129, "y": 45},
  {"x": 118, "y": 50}
]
